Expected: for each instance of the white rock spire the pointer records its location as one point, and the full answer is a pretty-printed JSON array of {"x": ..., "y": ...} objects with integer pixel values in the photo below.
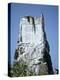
[{"x": 33, "y": 47}]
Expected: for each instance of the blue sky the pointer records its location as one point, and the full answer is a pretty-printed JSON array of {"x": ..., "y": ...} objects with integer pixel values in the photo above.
[{"x": 51, "y": 25}]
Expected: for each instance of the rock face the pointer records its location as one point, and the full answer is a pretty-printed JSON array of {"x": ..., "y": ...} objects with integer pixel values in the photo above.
[{"x": 32, "y": 46}]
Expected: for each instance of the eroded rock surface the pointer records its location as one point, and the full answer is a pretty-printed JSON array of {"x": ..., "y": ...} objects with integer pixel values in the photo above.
[{"x": 32, "y": 47}]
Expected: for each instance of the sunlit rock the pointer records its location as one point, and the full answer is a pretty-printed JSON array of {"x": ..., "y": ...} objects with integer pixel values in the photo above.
[{"x": 32, "y": 46}]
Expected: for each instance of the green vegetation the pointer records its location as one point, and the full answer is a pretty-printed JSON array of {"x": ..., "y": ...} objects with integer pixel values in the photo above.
[{"x": 20, "y": 70}]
